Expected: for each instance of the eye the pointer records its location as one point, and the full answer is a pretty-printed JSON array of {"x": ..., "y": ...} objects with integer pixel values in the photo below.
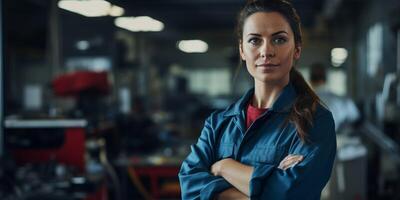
[
  {"x": 279, "y": 40},
  {"x": 254, "y": 41}
]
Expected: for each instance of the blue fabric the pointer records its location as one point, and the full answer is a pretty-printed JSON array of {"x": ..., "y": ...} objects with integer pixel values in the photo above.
[{"x": 263, "y": 145}]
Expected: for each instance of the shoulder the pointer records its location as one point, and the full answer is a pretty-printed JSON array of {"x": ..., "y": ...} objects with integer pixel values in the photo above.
[
  {"x": 323, "y": 124},
  {"x": 221, "y": 115},
  {"x": 217, "y": 117},
  {"x": 322, "y": 111}
]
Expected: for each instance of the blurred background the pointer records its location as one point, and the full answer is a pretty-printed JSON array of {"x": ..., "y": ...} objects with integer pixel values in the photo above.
[{"x": 102, "y": 99}]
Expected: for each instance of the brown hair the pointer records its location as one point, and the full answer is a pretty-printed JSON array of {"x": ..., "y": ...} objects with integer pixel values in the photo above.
[{"x": 305, "y": 104}]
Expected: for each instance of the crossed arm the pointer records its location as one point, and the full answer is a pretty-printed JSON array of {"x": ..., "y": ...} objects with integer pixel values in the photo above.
[
  {"x": 202, "y": 177},
  {"x": 239, "y": 175}
]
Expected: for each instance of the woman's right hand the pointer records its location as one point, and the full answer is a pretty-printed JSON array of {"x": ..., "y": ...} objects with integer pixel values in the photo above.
[{"x": 290, "y": 161}]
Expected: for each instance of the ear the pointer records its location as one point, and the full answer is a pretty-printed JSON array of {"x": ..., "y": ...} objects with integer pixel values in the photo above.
[
  {"x": 297, "y": 52},
  {"x": 241, "y": 51}
]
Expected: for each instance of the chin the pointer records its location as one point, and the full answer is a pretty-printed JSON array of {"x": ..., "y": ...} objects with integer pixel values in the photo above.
[{"x": 271, "y": 79}]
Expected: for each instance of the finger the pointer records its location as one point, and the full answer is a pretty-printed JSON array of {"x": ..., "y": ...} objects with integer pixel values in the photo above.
[
  {"x": 291, "y": 158},
  {"x": 214, "y": 169},
  {"x": 290, "y": 161},
  {"x": 294, "y": 155},
  {"x": 287, "y": 165}
]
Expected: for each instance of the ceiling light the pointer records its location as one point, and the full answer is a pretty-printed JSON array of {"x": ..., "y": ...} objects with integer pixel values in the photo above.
[
  {"x": 193, "y": 46},
  {"x": 88, "y": 8},
  {"x": 82, "y": 45},
  {"x": 116, "y": 11},
  {"x": 338, "y": 56},
  {"x": 136, "y": 24}
]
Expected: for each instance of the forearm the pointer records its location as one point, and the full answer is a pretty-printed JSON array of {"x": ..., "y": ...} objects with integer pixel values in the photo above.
[
  {"x": 238, "y": 175},
  {"x": 201, "y": 185},
  {"x": 231, "y": 194}
]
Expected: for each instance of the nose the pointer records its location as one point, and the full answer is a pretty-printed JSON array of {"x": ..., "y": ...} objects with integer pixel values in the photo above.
[{"x": 267, "y": 50}]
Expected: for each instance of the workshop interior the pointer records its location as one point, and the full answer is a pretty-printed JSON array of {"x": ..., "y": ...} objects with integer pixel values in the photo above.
[{"x": 102, "y": 99}]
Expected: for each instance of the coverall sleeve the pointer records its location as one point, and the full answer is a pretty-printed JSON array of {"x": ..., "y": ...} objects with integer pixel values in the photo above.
[
  {"x": 306, "y": 179},
  {"x": 195, "y": 178}
]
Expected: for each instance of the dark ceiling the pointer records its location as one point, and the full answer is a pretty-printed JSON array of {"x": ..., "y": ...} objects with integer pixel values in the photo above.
[
  {"x": 195, "y": 15},
  {"x": 179, "y": 16}
]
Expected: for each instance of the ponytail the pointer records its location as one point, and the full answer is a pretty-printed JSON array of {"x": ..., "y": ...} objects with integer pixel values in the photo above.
[{"x": 305, "y": 105}]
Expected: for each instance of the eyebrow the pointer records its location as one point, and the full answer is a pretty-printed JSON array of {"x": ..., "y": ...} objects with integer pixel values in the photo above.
[{"x": 276, "y": 33}]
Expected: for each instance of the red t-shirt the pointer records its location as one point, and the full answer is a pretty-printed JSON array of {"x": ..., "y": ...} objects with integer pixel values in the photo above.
[{"x": 253, "y": 113}]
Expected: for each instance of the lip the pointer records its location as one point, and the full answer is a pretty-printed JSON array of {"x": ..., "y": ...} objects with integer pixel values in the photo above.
[{"x": 267, "y": 65}]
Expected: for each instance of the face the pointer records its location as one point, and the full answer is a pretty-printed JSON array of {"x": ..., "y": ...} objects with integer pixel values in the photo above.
[{"x": 268, "y": 47}]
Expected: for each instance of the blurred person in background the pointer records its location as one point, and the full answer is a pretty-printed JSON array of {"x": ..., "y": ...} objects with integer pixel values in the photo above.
[
  {"x": 343, "y": 109},
  {"x": 277, "y": 141}
]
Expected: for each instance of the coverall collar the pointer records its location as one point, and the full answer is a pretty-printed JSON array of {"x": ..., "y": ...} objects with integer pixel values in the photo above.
[{"x": 282, "y": 104}]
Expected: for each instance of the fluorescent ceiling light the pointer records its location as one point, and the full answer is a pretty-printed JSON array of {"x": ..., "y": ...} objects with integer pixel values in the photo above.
[
  {"x": 193, "y": 46},
  {"x": 136, "y": 24},
  {"x": 88, "y": 8},
  {"x": 338, "y": 56},
  {"x": 116, "y": 11}
]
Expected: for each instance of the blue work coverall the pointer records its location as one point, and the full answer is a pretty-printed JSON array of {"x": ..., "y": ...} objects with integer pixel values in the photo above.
[{"x": 263, "y": 145}]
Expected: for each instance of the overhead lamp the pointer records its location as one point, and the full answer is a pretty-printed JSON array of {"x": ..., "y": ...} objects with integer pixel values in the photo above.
[
  {"x": 193, "y": 46},
  {"x": 338, "y": 56},
  {"x": 141, "y": 23},
  {"x": 88, "y": 8},
  {"x": 116, "y": 11},
  {"x": 82, "y": 45}
]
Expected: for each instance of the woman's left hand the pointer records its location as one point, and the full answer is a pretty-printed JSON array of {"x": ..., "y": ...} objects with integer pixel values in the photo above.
[{"x": 290, "y": 161}]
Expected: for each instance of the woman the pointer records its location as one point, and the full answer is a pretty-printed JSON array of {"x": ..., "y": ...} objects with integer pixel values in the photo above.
[{"x": 277, "y": 141}]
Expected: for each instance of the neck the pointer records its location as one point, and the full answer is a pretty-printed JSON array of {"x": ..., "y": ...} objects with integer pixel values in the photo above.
[{"x": 265, "y": 94}]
